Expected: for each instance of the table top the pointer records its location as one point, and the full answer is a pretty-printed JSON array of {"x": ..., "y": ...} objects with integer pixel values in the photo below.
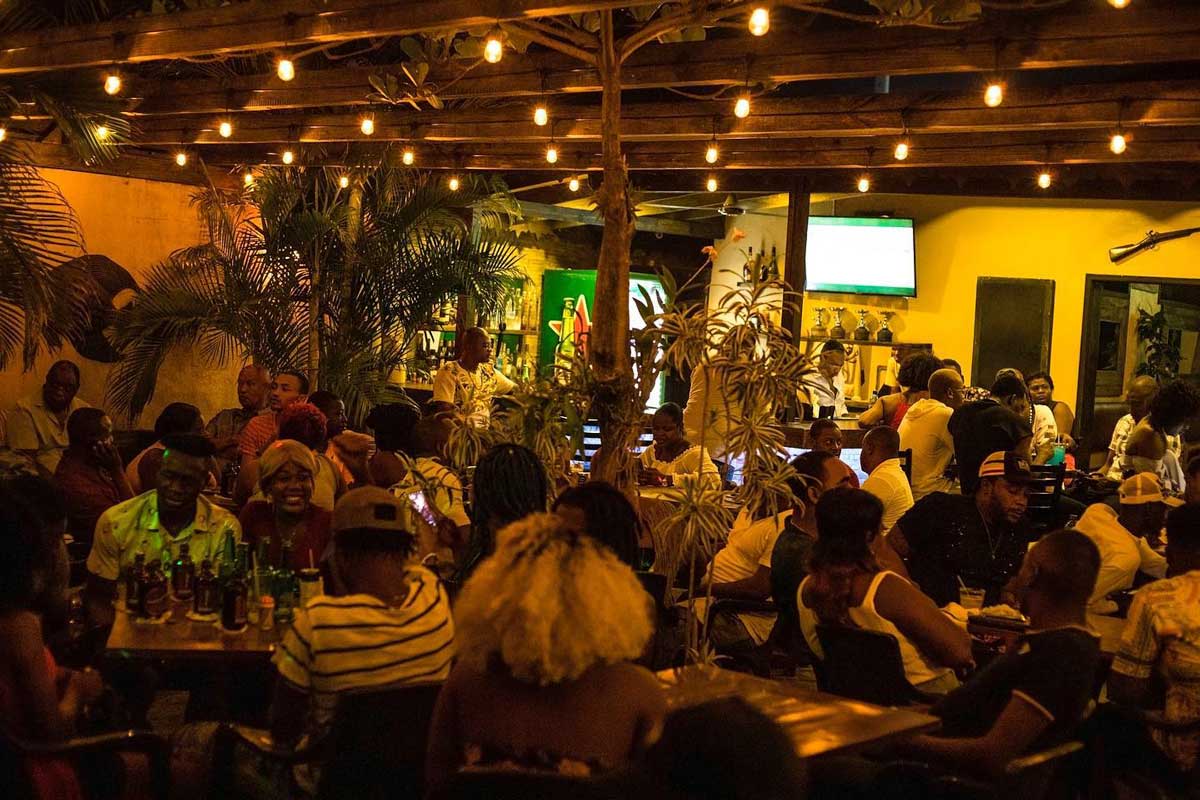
[
  {"x": 819, "y": 724},
  {"x": 1109, "y": 628},
  {"x": 181, "y": 638}
]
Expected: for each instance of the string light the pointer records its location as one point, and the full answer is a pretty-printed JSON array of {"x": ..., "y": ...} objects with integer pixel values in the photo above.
[
  {"x": 102, "y": 132},
  {"x": 112, "y": 83},
  {"x": 712, "y": 153},
  {"x": 552, "y": 153},
  {"x": 573, "y": 184},
  {"x": 1119, "y": 3},
  {"x": 864, "y": 184},
  {"x": 248, "y": 178},
  {"x": 225, "y": 129},
  {"x": 711, "y": 183},
  {"x": 901, "y": 151},
  {"x": 288, "y": 157},
  {"x": 181, "y": 159},
  {"x": 367, "y": 126},
  {"x": 3, "y": 133},
  {"x": 493, "y": 49},
  {"x": 454, "y": 184},
  {"x": 408, "y": 157},
  {"x": 344, "y": 182},
  {"x": 993, "y": 95},
  {"x": 760, "y": 21},
  {"x": 540, "y": 115},
  {"x": 741, "y": 109},
  {"x": 285, "y": 69},
  {"x": 1117, "y": 143},
  {"x": 1044, "y": 179}
]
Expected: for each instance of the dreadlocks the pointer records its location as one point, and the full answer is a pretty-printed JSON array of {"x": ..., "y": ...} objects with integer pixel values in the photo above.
[{"x": 510, "y": 483}]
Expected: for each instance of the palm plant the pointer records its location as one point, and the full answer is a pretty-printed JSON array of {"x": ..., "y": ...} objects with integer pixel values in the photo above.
[{"x": 299, "y": 271}]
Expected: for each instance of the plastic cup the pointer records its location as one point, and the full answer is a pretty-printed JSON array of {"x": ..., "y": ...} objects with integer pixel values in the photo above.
[{"x": 969, "y": 598}]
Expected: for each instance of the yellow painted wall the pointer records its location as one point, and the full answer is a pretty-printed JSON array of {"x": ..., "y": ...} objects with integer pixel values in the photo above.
[
  {"x": 960, "y": 239},
  {"x": 135, "y": 223}
]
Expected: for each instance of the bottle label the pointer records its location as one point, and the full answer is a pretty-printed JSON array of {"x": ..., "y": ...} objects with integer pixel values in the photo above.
[
  {"x": 183, "y": 580},
  {"x": 233, "y": 609},
  {"x": 205, "y": 600}
]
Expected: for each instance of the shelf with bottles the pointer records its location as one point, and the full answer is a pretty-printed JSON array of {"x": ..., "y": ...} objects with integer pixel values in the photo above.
[{"x": 758, "y": 266}]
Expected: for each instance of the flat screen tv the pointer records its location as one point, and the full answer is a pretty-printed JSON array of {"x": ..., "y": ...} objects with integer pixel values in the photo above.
[{"x": 861, "y": 255}]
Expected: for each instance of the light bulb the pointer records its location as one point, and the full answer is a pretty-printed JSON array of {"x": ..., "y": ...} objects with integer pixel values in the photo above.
[
  {"x": 1117, "y": 144},
  {"x": 285, "y": 69},
  {"x": 712, "y": 154},
  {"x": 288, "y": 156},
  {"x": 225, "y": 129},
  {"x": 3, "y": 133},
  {"x": 181, "y": 158},
  {"x": 540, "y": 116},
  {"x": 112, "y": 83},
  {"x": 102, "y": 132},
  {"x": 741, "y": 109},
  {"x": 1119, "y": 3},
  {"x": 1044, "y": 180},
  {"x": 552, "y": 154},
  {"x": 573, "y": 184},
  {"x": 344, "y": 182},
  {"x": 864, "y": 184},
  {"x": 993, "y": 95},
  {"x": 711, "y": 184},
  {"x": 408, "y": 157},
  {"x": 248, "y": 178},
  {"x": 760, "y": 21},
  {"x": 901, "y": 151},
  {"x": 454, "y": 184},
  {"x": 367, "y": 126},
  {"x": 493, "y": 50}
]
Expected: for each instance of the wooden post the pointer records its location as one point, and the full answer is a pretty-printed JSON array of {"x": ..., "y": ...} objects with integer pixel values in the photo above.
[{"x": 794, "y": 269}]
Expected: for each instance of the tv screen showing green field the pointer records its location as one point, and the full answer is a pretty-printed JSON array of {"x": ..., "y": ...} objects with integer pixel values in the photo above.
[{"x": 861, "y": 256}]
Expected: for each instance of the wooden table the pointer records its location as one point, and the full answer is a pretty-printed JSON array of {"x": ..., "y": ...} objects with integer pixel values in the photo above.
[
  {"x": 819, "y": 724},
  {"x": 179, "y": 638}
]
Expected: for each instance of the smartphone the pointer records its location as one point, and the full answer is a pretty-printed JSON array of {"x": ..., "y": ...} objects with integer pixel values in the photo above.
[{"x": 421, "y": 505}]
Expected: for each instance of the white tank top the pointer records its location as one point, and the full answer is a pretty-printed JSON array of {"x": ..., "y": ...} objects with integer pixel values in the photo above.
[{"x": 917, "y": 667}]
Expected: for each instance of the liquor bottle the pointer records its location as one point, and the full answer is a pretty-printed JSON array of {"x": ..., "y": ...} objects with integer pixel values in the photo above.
[
  {"x": 510, "y": 366},
  {"x": 233, "y": 601},
  {"x": 183, "y": 574},
  {"x": 748, "y": 267},
  {"x": 135, "y": 578},
  {"x": 206, "y": 598},
  {"x": 155, "y": 600},
  {"x": 500, "y": 361},
  {"x": 774, "y": 269}
]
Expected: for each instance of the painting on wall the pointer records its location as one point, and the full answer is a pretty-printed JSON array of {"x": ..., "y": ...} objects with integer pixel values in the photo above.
[{"x": 117, "y": 289}]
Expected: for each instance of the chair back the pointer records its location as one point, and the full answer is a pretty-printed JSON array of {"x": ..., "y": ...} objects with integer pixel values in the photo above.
[
  {"x": 864, "y": 665},
  {"x": 1044, "y": 493},
  {"x": 514, "y": 785},
  {"x": 905, "y": 457},
  {"x": 377, "y": 743}
]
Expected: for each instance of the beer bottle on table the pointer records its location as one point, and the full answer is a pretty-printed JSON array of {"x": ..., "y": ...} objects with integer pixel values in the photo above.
[
  {"x": 183, "y": 574},
  {"x": 134, "y": 577},
  {"x": 155, "y": 600},
  {"x": 206, "y": 598},
  {"x": 233, "y": 602},
  {"x": 284, "y": 585}
]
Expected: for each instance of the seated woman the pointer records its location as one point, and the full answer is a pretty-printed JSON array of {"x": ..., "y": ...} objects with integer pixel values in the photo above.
[
  {"x": 510, "y": 483},
  {"x": 287, "y": 517},
  {"x": 672, "y": 456},
  {"x": 846, "y": 586},
  {"x": 546, "y": 628},
  {"x": 142, "y": 469},
  {"x": 39, "y": 701},
  {"x": 603, "y": 512},
  {"x": 1041, "y": 391},
  {"x": 914, "y": 381},
  {"x": 304, "y": 423},
  {"x": 1147, "y": 450}
]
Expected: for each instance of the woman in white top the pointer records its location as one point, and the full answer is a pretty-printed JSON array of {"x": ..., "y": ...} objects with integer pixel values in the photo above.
[
  {"x": 846, "y": 586},
  {"x": 672, "y": 456}
]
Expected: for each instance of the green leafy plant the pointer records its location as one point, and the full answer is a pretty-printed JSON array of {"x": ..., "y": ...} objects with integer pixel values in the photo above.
[{"x": 1162, "y": 355}]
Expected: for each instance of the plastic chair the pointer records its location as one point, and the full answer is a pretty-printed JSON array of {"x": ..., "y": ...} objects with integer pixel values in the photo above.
[
  {"x": 15, "y": 750},
  {"x": 865, "y": 665}
]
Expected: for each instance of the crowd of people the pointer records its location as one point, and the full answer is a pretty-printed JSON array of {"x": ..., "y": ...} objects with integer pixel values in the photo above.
[{"x": 526, "y": 603}]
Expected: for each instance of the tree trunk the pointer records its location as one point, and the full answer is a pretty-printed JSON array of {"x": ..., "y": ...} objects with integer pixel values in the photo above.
[
  {"x": 608, "y": 342},
  {"x": 314, "y": 319}
]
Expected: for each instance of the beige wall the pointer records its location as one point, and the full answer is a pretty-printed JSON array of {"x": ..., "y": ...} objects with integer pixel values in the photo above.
[
  {"x": 960, "y": 239},
  {"x": 135, "y": 223}
]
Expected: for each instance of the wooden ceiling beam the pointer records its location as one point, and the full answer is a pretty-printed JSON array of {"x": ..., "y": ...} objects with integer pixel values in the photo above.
[
  {"x": 584, "y": 216},
  {"x": 1099, "y": 37},
  {"x": 264, "y": 25},
  {"x": 1144, "y": 104},
  {"x": 129, "y": 165}
]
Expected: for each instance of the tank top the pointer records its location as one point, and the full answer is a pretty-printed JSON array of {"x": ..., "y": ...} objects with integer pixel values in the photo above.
[
  {"x": 899, "y": 413},
  {"x": 917, "y": 668}
]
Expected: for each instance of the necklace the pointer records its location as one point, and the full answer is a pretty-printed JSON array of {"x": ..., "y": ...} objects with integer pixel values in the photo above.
[{"x": 992, "y": 546}]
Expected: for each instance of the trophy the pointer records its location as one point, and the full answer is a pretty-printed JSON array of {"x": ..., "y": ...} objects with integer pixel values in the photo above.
[
  {"x": 884, "y": 334},
  {"x": 862, "y": 333},
  {"x": 818, "y": 330},
  {"x": 837, "y": 331}
]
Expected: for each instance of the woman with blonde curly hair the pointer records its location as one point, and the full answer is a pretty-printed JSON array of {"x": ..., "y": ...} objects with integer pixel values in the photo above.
[{"x": 547, "y": 627}]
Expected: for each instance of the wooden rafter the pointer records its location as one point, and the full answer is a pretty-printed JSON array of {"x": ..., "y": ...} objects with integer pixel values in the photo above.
[{"x": 699, "y": 230}]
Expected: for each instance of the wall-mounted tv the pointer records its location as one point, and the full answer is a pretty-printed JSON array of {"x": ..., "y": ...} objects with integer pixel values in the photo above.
[{"x": 861, "y": 255}]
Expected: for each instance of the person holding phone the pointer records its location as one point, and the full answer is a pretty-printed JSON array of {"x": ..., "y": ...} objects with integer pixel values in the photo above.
[{"x": 90, "y": 474}]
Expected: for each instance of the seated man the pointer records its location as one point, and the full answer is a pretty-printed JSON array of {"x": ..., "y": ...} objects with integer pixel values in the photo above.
[
  {"x": 225, "y": 429},
  {"x": 885, "y": 477},
  {"x": 824, "y": 435},
  {"x": 37, "y": 427},
  {"x": 1126, "y": 538},
  {"x": 157, "y": 523},
  {"x": 1034, "y": 696},
  {"x": 1161, "y": 641},
  {"x": 996, "y": 423},
  {"x": 90, "y": 475},
  {"x": 287, "y": 388},
  {"x": 924, "y": 430},
  {"x": 348, "y": 450},
  {"x": 392, "y": 625},
  {"x": 949, "y": 540}
]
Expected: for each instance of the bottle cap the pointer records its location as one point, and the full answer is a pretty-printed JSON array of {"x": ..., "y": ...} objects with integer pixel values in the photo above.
[{"x": 266, "y": 601}]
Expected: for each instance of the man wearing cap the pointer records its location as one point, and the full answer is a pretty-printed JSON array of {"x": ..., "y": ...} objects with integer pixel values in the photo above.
[
  {"x": 1125, "y": 538},
  {"x": 391, "y": 624},
  {"x": 976, "y": 540}
]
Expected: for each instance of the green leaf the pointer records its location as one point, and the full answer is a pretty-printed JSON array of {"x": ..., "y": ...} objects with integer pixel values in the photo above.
[{"x": 413, "y": 48}]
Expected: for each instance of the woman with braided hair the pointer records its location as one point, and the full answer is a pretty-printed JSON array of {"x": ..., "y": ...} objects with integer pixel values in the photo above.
[{"x": 510, "y": 483}]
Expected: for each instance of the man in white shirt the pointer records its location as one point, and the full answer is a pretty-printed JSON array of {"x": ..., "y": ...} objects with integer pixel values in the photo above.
[
  {"x": 37, "y": 427},
  {"x": 1124, "y": 538},
  {"x": 710, "y": 410},
  {"x": 924, "y": 431},
  {"x": 824, "y": 387},
  {"x": 472, "y": 381},
  {"x": 886, "y": 480}
]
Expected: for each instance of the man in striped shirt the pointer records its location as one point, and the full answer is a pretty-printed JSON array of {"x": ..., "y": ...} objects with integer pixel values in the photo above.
[{"x": 391, "y": 626}]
